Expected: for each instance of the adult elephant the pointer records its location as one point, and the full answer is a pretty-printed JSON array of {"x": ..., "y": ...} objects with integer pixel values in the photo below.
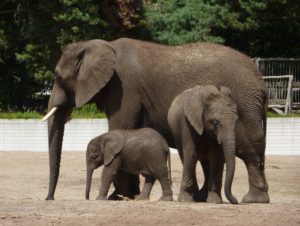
[{"x": 134, "y": 82}]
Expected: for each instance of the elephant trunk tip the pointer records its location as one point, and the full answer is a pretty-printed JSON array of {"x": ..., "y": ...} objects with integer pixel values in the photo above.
[{"x": 231, "y": 198}]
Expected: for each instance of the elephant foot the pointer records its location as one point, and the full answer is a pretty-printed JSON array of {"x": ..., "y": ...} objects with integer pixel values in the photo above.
[
  {"x": 185, "y": 197},
  {"x": 261, "y": 197},
  {"x": 141, "y": 197},
  {"x": 101, "y": 197},
  {"x": 166, "y": 198},
  {"x": 200, "y": 196},
  {"x": 114, "y": 196},
  {"x": 49, "y": 198},
  {"x": 214, "y": 197}
]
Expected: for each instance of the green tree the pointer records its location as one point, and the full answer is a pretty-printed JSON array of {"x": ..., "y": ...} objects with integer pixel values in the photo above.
[
  {"x": 179, "y": 21},
  {"x": 33, "y": 33},
  {"x": 275, "y": 31}
]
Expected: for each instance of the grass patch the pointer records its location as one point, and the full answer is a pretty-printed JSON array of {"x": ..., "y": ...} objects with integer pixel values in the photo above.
[
  {"x": 91, "y": 111},
  {"x": 87, "y": 111},
  {"x": 20, "y": 115},
  {"x": 272, "y": 114}
]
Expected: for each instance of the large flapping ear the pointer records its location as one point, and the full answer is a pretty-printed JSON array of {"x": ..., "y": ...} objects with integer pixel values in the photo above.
[
  {"x": 97, "y": 63},
  {"x": 114, "y": 143},
  {"x": 193, "y": 110}
]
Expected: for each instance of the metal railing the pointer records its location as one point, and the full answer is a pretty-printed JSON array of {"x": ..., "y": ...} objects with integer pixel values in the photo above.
[
  {"x": 280, "y": 92},
  {"x": 277, "y": 67}
]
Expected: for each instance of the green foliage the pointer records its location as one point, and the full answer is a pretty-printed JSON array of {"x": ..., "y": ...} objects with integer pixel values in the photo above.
[
  {"x": 179, "y": 22},
  {"x": 272, "y": 28},
  {"x": 272, "y": 114},
  {"x": 87, "y": 111},
  {"x": 184, "y": 21},
  {"x": 20, "y": 115},
  {"x": 91, "y": 111},
  {"x": 33, "y": 33}
]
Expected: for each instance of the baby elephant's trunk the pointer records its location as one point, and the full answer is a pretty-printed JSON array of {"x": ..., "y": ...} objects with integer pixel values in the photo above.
[{"x": 89, "y": 176}]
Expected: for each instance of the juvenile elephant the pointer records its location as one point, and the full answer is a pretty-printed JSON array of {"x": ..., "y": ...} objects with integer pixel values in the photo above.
[
  {"x": 140, "y": 151},
  {"x": 203, "y": 122},
  {"x": 134, "y": 83}
]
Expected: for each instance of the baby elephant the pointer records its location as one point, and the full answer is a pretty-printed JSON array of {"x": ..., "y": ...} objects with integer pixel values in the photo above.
[
  {"x": 203, "y": 120},
  {"x": 140, "y": 151}
]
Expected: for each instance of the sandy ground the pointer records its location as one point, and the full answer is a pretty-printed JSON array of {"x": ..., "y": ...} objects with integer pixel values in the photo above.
[{"x": 24, "y": 184}]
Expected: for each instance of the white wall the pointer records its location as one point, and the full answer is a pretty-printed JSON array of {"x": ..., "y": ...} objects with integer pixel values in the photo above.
[
  {"x": 32, "y": 135},
  {"x": 283, "y": 135}
]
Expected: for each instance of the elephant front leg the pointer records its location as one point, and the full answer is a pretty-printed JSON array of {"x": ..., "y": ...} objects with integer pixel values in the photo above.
[
  {"x": 106, "y": 181},
  {"x": 145, "y": 194},
  {"x": 108, "y": 173},
  {"x": 201, "y": 195},
  {"x": 129, "y": 117},
  {"x": 188, "y": 182},
  {"x": 258, "y": 186},
  {"x": 215, "y": 176}
]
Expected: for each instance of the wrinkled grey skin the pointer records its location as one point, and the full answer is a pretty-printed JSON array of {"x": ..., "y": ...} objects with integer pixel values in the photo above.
[
  {"x": 203, "y": 121},
  {"x": 135, "y": 82},
  {"x": 140, "y": 151}
]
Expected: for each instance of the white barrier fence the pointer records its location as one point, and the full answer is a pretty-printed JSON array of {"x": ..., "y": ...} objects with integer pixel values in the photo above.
[{"x": 283, "y": 135}]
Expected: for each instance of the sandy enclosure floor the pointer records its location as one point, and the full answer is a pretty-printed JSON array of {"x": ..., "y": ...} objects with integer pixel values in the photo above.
[{"x": 24, "y": 184}]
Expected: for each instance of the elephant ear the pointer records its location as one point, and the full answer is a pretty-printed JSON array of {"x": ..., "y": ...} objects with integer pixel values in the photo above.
[
  {"x": 96, "y": 63},
  {"x": 114, "y": 143},
  {"x": 193, "y": 110}
]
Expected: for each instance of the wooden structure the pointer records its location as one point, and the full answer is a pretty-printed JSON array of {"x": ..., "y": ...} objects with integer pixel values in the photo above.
[{"x": 282, "y": 67}]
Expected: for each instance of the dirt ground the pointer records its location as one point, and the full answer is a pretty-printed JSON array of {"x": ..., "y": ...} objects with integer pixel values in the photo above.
[{"x": 24, "y": 184}]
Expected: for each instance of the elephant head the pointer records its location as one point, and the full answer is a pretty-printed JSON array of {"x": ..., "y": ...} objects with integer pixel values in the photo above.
[
  {"x": 82, "y": 71},
  {"x": 102, "y": 150},
  {"x": 214, "y": 111}
]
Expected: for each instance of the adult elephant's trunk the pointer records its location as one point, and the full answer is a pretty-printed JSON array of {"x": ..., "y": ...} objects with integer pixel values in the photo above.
[
  {"x": 89, "y": 175},
  {"x": 229, "y": 154},
  {"x": 56, "y": 126}
]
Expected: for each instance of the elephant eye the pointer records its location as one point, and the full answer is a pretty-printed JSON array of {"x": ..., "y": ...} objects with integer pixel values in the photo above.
[
  {"x": 93, "y": 156},
  {"x": 214, "y": 123}
]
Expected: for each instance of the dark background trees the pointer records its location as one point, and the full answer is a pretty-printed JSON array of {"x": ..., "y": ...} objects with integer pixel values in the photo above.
[{"x": 33, "y": 33}]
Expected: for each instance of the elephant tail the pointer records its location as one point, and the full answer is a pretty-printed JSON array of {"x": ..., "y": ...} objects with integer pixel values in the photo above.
[
  {"x": 169, "y": 166},
  {"x": 265, "y": 117},
  {"x": 265, "y": 127}
]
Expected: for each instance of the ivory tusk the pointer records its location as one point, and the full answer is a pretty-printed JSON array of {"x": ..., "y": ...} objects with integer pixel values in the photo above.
[{"x": 53, "y": 110}]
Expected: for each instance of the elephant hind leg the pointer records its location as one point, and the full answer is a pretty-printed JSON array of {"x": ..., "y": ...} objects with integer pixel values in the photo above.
[
  {"x": 252, "y": 152},
  {"x": 126, "y": 184},
  {"x": 258, "y": 186},
  {"x": 163, "y": 178},
  {"x": 145, "y": 193}
]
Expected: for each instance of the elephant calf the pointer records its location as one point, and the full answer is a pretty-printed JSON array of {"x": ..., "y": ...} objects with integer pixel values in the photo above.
[
  {"x": 203, "y": 121},
  {"x": 139, "y": 151}
]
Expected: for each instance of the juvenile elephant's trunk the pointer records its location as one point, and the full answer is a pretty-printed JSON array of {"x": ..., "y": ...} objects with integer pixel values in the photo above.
[
  {"x": 229, "y": 154},
  {"x": 89, "y": 175}
]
